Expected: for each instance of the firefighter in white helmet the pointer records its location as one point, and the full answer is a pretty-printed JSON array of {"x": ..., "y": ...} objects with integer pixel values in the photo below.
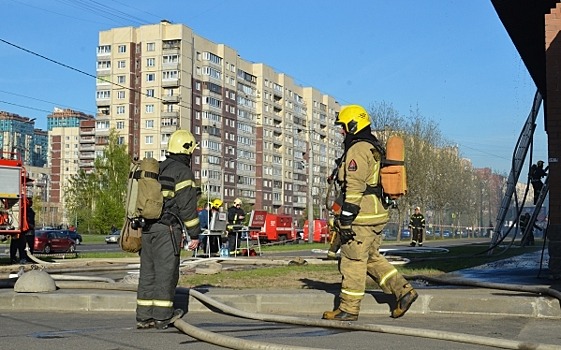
[
  {"x": 362, "y": 218},
  {"x": 236, "y": 216}
]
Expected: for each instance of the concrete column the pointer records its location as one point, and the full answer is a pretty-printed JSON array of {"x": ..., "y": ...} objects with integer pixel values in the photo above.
[{"x": 553, "y": 129}]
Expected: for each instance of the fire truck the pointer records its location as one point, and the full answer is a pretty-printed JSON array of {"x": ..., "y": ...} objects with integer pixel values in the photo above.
[
  {"x": 271, "y": 227},
  {"x": 13, "y": 190},
  {"x": 321, "y": 231}
]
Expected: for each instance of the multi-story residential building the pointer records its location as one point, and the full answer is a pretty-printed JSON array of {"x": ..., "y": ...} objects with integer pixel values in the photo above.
[
  {"x": 17, "y": 137},
  {"x": 262, "y": 137},
  {"x": 40, "y": 148},
  {"x": 63, "y": 127}
]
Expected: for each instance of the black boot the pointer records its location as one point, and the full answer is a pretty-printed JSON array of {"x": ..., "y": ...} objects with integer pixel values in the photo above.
[{"x": 404, "y": 303}]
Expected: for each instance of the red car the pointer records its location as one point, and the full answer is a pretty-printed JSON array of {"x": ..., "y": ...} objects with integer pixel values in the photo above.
[{"x": 53, "y": 241}]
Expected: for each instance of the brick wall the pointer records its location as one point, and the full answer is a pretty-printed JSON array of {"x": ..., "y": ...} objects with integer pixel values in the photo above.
[{"x": 553, "y": 129}]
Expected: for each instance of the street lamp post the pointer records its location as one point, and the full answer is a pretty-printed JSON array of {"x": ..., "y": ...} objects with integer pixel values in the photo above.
[{"x": 310, "y": 186}]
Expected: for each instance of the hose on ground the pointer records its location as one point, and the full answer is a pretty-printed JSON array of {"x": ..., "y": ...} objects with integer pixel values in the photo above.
[
  {"x": 489, "y": 285},
  {"x": 236, "y": 343}
]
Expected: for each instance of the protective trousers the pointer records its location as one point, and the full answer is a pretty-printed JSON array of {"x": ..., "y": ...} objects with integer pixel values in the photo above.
[
  {"x": 360, "y": 257},
  {"x": 159, "y": 273},
  {"x": 417, "y": 235}
]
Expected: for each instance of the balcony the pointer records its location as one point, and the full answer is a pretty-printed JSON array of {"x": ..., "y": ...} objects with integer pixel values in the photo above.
[
  {"x": 167, "y": 114},
  {"x": 171, "y": 99},
  {"x": 170, "y": 83}
]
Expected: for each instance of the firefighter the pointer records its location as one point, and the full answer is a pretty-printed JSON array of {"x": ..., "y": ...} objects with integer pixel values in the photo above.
[
  {"x": 417, "y": 226},
  {"x": 159, "y": 258},
  {"x": 205, "y": 218},
  {"x": 536, "y": 173},
  {"x": 236, "y": 216},
  {"x": 361, "y": 221}
]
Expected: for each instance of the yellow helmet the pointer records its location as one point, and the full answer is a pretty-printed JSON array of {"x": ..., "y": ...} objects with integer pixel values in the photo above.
[
  {"x": 216, "y": 203},
  {"x": 353, "y": 118},
  {"x": 237, "y": 201},
  {"x": 182, "y": 142}
]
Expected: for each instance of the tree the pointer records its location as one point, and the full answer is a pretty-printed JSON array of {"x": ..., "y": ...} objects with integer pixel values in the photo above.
[{"x": 97, "y": 199}]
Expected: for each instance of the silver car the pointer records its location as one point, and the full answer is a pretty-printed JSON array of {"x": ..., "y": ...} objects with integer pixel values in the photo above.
[{"x": 113, "y": 237}]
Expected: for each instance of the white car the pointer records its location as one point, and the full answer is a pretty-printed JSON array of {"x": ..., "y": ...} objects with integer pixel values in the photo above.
[{"x": 113, "y": 237}]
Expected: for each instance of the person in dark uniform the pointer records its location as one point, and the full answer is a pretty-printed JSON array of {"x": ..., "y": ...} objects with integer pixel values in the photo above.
[
  {"x": 536, "y": 173},
  {"x": 159, "y": 257},
  {"x": 417, "y": 226},
  {"x": 524, "y": 221},
  {"x": 236, "y": 216}
]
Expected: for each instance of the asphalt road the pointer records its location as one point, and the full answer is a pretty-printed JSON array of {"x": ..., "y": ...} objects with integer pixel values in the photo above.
[{"x": 103, "y": 330}]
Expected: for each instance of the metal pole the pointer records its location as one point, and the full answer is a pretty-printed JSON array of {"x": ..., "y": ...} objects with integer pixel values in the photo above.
[{"x": 310, "y": 186}]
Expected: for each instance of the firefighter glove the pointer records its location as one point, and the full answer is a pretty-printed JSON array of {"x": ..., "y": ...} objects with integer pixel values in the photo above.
[{"x": 346, "y": 233}]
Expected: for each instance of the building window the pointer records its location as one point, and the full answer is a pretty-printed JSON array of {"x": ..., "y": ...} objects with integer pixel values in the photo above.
[
  {"x": 120, "y": 95},
  {"x": 149, "y": 140},
  {"x": 150, "y": 77},
  {"x": 149, "y": 154},
  {"x": 120, "y": 109},
  {"x": 122, "y": 64},
  {"x": 170, "y": 74},
  {"x": 122, "y": 48},
  {"x": 121, "y": 140},
  {"x": 120, "y": 125},
  {"x": 150, "y": 92},
  {"x": 121, "y": 79},
  {"x": 150, "y": 46},
  {"x": 103, "y": 94},
  {"x": 104, "y": 49},
  {"x": 149, "y": 108},
  {"x": 149, "y": 124},
  {"x": 150, "y": 62}
]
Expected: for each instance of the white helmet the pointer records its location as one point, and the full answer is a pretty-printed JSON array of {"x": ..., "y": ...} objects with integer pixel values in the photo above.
[{"x": 237, "y": 201}]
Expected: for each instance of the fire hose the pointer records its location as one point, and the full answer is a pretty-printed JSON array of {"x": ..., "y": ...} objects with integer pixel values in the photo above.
[{"x": 236, "y": 343}]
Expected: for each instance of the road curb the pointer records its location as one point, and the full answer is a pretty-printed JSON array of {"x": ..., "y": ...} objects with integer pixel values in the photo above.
[{"x": 295, "y": 302}]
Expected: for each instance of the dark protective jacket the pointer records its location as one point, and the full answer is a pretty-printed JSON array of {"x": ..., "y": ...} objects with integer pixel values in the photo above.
[
  {"x": 235, "y": 216},
  {"x": 417, "y": 221},
  {"x": 180, "y": 193}
]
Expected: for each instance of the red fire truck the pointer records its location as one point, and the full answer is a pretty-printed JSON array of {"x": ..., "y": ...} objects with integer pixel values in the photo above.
[
  {"x": 13, "y": 188},
  {"x": 273, "y": 227},
  {"x": 321, "y": 231}
]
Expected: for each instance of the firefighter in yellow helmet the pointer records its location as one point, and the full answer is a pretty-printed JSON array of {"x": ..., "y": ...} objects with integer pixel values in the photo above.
[
  {"x": 161, "y": 238},
  {"x": 362, "y": 218}
]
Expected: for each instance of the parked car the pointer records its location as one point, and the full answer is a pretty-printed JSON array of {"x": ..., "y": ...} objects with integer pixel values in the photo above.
[
  {"x": 405, "y": 233},
  {"x": 113, "y": 237},
  {"x": 53, "y": 241},
  {"x": 74, "y": 235}
]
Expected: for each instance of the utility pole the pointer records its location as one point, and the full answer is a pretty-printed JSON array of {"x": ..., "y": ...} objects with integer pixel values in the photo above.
[{"x": 310, "y": 187}]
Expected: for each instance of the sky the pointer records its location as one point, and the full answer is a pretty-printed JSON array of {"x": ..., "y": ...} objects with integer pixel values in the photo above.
[{"x": 450, "y": 60}]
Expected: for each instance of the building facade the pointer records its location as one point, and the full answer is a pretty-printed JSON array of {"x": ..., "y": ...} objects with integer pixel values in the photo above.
[
  {"x": 263, "y": 137},
  {"x": 65, "y": 142}
]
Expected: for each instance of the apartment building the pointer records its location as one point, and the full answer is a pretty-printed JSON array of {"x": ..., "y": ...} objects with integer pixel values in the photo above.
[
  {"x": 17, "y": 136},
  {"x": 63, "y": 126},
  {"x": 263, "y": 137}
]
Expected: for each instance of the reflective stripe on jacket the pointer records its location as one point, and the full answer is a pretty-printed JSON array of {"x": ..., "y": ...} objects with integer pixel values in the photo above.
[{"x": 361, "y": 167}]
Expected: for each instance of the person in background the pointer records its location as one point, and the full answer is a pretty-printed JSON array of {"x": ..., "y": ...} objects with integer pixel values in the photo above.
[
  {"x": 417, "y": 227},
  {"x": 236, "y": 216},
  {"x": 29, "y": 233},
  {"x": 205, "y": 218},
  {"x": 536, "y": 173}
]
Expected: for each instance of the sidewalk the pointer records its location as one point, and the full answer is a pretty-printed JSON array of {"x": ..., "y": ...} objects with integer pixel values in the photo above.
[{"x": 522, "y": 270}]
